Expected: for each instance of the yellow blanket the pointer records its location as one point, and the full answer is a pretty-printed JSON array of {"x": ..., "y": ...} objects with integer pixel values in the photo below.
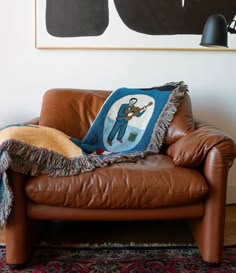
[{"x": 42, "y": 137}]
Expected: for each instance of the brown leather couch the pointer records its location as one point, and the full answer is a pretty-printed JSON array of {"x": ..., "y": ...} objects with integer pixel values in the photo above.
[{"x": 187, "y": 180}]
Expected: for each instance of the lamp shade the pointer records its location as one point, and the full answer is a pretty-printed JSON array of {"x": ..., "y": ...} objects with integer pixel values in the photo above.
[{"x": 215, "y": 33}]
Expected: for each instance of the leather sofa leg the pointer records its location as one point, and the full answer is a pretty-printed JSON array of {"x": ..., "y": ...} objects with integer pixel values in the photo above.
[
  {"x": 208, "y": 231},
  {"x": 18, "y": 244},
  {"x": 17, "y": 229},
  {"x": 210, "y": 241}
]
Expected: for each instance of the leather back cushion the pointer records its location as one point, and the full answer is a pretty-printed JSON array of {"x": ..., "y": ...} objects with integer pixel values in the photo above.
[{"x": 72, "y": 111}]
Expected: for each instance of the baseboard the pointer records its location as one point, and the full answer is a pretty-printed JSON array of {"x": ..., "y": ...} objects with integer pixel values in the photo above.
[{"x": 231, "y": 194}]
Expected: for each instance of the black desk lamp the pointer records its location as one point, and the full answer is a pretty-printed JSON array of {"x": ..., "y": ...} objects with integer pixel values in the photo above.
[{"x": 215, "y": 32}]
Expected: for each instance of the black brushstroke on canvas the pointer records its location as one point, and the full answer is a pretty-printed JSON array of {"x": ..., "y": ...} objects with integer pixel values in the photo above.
[
  {"x": 166, "y": 17},
  {"x": 76, "y": 18}
]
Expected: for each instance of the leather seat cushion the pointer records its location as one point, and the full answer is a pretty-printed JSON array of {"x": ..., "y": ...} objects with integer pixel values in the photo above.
[{"x": 148, "y": 183}]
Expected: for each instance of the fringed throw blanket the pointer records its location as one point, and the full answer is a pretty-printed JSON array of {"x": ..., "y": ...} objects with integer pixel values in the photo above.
[{"x": 131, "y": 124}]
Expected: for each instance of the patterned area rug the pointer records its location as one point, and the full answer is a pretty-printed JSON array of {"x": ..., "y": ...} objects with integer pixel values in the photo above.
[{"x": 130, "y": 259}]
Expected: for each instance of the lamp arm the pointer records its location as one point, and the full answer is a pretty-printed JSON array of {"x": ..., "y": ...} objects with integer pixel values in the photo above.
[{"x": 232, "y": 27}]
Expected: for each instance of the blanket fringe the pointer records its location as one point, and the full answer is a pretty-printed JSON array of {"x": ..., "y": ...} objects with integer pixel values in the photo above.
[
  {"x": 167, "y": 116},
  {"x": 27, "y": 159},
  {"x": 6, "y": 197}
]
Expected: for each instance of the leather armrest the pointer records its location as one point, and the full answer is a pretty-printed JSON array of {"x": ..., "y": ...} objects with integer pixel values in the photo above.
[{"x": 192, "y": 149}]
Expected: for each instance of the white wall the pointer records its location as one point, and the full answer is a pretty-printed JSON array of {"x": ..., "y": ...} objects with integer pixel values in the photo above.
[{"x": 26, "y": 73}]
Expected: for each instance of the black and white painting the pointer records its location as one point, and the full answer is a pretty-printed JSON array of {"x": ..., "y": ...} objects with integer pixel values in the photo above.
[{"x": 144, "y": 24}]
